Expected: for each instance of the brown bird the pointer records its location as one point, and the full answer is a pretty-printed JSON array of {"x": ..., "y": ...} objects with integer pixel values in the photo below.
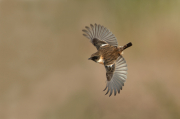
[{"x": 110, "y": 55}]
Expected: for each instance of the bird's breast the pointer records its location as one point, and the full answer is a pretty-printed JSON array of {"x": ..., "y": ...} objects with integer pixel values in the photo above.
[{"x": 101, "y": 60}]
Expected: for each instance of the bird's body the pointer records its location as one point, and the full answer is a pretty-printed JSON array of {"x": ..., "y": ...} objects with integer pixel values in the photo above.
[{"x": 110, "y": 55}]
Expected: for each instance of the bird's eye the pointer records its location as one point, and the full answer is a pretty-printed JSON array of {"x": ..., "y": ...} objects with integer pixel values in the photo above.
[{"x": 95, "y": 58}]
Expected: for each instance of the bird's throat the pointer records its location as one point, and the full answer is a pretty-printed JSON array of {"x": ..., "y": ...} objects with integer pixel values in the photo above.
[{"x": 101, "y": 60}]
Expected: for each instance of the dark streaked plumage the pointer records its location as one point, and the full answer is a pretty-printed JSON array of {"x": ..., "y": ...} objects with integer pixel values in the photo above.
[{"x": 108, "y": 54}]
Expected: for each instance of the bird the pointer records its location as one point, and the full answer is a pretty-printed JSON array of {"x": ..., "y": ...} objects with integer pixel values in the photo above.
[{"x": 108, "y": 54}]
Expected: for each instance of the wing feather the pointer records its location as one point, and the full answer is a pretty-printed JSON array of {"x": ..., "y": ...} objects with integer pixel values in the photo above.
[
  {"x": 101, "y": 33},
  {"x": 118, "y": 77},
  {"x": 118, "y": 85}
]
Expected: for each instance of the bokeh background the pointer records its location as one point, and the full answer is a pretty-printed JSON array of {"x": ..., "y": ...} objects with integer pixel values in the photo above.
[{"x": 45, "y": 74}]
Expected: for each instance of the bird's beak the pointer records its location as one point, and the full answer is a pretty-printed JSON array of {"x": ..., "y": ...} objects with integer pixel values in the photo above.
[{"x": 89, "y": 58}]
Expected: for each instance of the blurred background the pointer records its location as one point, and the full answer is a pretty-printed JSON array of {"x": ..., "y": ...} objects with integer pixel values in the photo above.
[{"x": 45, "y": 74}]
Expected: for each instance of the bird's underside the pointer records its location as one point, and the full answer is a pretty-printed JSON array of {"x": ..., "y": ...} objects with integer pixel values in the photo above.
[{"x": 109, "y": 55}]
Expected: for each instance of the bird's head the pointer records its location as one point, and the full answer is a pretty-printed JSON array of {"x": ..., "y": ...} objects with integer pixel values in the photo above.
[{"x": 94, "y": 58}]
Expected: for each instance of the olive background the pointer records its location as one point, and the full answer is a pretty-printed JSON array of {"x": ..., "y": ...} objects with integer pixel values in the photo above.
[{"x": 45, "y": 72}]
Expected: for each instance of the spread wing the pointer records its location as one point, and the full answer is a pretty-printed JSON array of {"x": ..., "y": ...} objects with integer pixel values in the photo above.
[
  {"x": 99, "y": 35},
  {"x": 116, "y": 76}
]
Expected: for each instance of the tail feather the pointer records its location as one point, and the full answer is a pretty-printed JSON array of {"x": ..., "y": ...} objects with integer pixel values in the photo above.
[
  {"x": 121, "y": 48},
  {"x": 127, "y": 45}
]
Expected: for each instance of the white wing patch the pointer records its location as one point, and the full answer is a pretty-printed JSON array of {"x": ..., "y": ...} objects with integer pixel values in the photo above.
[
  {"x": 103, "y": 45},
  {"x": 109, "y": 65}
]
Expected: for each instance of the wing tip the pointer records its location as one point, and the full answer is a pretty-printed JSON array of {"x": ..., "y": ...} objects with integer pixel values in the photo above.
[
  {"x": 84, "y": 30},
  {"x": 105, "y": 88}
]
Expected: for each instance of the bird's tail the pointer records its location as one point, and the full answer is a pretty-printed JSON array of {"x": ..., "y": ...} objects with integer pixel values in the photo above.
[
  {"x": 127, "y": 45},
  {"x": 121, "y": 48}
]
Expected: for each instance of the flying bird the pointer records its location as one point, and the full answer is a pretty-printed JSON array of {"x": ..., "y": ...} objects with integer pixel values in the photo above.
[{"x": 108, "y": 54}]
